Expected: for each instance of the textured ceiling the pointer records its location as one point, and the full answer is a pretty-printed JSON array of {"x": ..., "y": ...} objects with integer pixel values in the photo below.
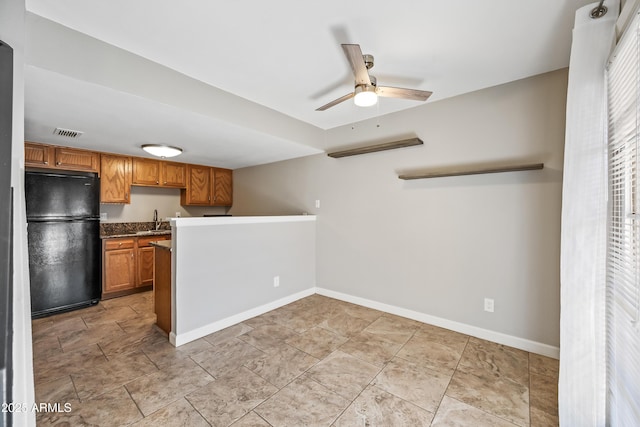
[{"x": 103, "y": 66}]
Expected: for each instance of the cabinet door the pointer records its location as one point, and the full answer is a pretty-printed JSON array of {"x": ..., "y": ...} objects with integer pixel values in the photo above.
[
  {"x": 38, "y": 155},
  {"x": 119, "y": 270},
  {"x": 174, "y": 174},
  {"x": 198, "y": 191},
  {"x": 146, "y": 172},
  {"x": 81, "y": 160},
  {"x": 115, "y": 179},
  {"x": 223, "y": 187},
  {"x": 145, "y": 266}
]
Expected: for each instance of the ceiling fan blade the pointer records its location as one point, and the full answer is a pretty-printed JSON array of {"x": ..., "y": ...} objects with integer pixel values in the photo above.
[
  {"x": 336, "y": 102},
  {"x": 397, "y": 92},
  {"x": 354, "y": 55}
]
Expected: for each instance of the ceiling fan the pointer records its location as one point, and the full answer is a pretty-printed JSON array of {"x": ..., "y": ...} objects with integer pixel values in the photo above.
[{"x": 366, "y": 90}]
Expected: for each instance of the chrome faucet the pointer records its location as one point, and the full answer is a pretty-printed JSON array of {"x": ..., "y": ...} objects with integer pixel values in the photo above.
[{"x": 155, "y": 219}]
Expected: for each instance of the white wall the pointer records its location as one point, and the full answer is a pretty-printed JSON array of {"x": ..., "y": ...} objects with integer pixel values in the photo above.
[
  {"x": 439, "y": 246},
  {"x": 12, "y": 32},
  {"x": 223, "y": 269},
  {"x": 145, "y": 199}
]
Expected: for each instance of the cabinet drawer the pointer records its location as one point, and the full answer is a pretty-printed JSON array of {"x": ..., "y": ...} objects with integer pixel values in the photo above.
[
  {"x": 144, "y": 242},
  {"x": 113, "y": 244}
]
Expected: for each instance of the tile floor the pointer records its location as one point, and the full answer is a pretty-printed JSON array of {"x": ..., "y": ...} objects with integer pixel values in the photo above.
[{"x": 315, "y": 362}]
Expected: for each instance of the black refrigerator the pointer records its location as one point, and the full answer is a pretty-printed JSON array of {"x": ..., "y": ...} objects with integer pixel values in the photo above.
[{"x": 63, "y": 229}]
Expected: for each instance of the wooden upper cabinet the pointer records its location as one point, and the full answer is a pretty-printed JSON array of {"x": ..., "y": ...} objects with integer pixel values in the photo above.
[
  {"x": 39, "y": 155},
  {"x": 207, "y": 186},
  {"x": 173, "y": 174},
  {"x": 222, "y": 187},
  {"x": 151, "y": 172},
  {"x": 115, "y": 180},
  {"x": 199, "y": 186},
  {"x": 48, "y": 156},
  {"x": 146, "y": 171},
  {"x": 71, "y": 158}
]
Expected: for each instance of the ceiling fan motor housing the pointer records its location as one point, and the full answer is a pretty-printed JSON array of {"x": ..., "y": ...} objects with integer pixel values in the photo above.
[{"x": 368, "y": 61}]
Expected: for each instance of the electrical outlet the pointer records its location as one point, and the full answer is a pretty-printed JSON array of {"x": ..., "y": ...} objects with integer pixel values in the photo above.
[
  {"x": 318, "y": 204},
  {"x": 488, "y": 305},
  {"x": 177, "y": 214},
  {"x": 276, "y": 281}
]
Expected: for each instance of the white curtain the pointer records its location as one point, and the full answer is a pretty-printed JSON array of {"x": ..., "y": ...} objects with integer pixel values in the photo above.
[{"x": 582, "y": 385}]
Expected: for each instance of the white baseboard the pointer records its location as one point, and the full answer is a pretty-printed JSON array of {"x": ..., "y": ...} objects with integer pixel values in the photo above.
[
  {"x": 203, "y": 331},
  {"x": 486, "y": 334}
]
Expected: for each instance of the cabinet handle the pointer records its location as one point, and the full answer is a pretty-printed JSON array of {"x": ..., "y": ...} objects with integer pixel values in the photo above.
[
  {"x": 165, "y": 183},
  {"x": 131, "y": 255},
  {"x": 58, "y": 163},
  {"x": 120, "y": 244},
  {"x": 46, "y": 163},
  {"x": 157, "y": 182}
]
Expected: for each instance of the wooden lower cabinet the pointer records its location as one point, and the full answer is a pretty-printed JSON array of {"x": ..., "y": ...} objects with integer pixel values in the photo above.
[
  {"x": 128, "y": 265},
  {"x": 119, "y": 266}
]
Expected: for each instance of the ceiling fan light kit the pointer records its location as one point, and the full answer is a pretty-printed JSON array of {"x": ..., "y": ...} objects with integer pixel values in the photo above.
[
  {"x": 160, "y": 150},
  {"x": 365, "y": 96},
  {"x": 366, "y": 89}
]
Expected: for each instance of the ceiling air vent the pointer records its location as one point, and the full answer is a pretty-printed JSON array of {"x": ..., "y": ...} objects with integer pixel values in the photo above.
[{"x": 68, "y": 133}]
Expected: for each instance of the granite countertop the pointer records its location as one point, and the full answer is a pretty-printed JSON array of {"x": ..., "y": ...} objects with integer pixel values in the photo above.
[
  {"x": 162, "y": 244},
  {"x": 112, "y": 230}
]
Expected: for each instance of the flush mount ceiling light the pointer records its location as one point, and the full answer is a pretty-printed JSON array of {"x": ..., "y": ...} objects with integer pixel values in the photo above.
[{"x": 160, "y": 150}]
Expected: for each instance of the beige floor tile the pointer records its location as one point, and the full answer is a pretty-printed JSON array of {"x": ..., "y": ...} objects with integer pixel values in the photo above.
[
  {"x": 361, "y": 312},
  {"x": 414, "y": 383},
  {"x": 84, "y": 337},
  {"x": 376, "y": 407},
  {"x": 51, "y": 328},
  {"x": 154, "y": 391},
  {"x": 317, "y": 341},
  {"x": 499, "y": 396},
  {"x": 431, "y": 353},
  {"x": 45, "y": 345},
  {"x": 542, "y": 419},
  {"x": 543, "y": 365},
  {"x": 230, "y": 397},
  {"x": 393, "y": 329},
  {"x": 177, "y": 414},
  {"x": 61, "y": 364},
  {"x": 114, "y": 408},
  {"x": 395, "y": 368},
  {"x": 227, "y": 357},
  {"x": 453, "y": 413},
  {"x": 112, "y": 374},
  {"x": 251, "y": 420},
  {"x": 281, "y": 365},
  {"x": 304, "y": 402},
  {"x": 60, "y": 390},
  {"x": 266, "y": 336},
  {"x": 455, "y": 340},
  {"x": 110, "y": 315},
  {"x": 343, "y": 374},
  {"x": 345, "y": 324},
  {"x": 115, "y": 346},
  {"x": 371, "y": 348},
  {"x": 227, "y": 334},
  {"x": 543, "y": 394},
  {"x": 498, "y": 359}
]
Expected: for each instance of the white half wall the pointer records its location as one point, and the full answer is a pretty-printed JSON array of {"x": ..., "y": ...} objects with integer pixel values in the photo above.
[
  {"x": 439, "y": 246},
  {"x": 224, "y": 269}
]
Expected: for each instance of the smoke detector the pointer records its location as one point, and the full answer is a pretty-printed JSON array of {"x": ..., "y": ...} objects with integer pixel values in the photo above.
[{"x": 67, "y": 133}]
